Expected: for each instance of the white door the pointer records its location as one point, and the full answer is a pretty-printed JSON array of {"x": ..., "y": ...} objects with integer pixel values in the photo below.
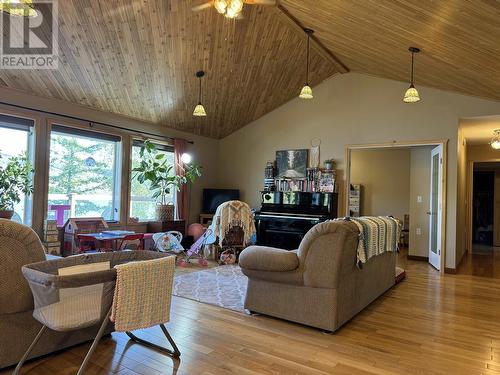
[{"x": 435, "y": 207}]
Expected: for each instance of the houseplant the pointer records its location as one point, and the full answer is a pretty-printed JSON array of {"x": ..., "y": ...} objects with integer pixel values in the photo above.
[
  {"x": 155, "y": 169},
  {"x": 15, "y": 180}
]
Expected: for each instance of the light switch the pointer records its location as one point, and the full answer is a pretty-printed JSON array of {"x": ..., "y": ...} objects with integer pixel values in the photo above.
[
  {"x": 419, "y": 231},
  {"x": 419, "y": 199}
]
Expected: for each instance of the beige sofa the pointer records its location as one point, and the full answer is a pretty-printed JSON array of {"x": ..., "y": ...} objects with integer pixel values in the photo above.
[
  {"x": 319, "y": 284},
  {"x": 19, "y": 245}
]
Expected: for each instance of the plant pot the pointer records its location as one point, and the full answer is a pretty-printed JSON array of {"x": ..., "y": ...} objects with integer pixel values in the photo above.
[
  {"x": 328, "y": 166},
  {"x": 165, "y": 212},
  {"x": 6, "y": 214}
]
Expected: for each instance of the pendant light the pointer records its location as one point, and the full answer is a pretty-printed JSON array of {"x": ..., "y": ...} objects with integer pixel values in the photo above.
[
  {"x": 495, "y": 142},
  {"x": 199, "y": 110},
  {"x": 306, "y": 92},
  {"x": 411, "y": 95}
]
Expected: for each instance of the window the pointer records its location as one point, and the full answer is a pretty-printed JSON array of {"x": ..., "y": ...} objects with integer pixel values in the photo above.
[
  {"x": 142, "y": 205},
  {"x": 84, "y": 174},
  {"x": 17, "y": 138}
]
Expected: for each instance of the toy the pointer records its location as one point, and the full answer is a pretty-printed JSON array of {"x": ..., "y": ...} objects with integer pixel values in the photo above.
[{"x": 196, "y": 251}]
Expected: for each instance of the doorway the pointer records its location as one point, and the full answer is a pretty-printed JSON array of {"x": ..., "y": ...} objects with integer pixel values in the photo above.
[{"x": 405, "y": 180}]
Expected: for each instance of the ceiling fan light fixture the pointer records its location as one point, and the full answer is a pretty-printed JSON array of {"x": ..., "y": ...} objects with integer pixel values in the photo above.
[
  {"x": 220, "y": 6},
  {"x": 495, "y": 141},
  {"x": 411, "y": 94},
  {"x": 20, "y": 8},
  {"x": 306, "y": 92}
]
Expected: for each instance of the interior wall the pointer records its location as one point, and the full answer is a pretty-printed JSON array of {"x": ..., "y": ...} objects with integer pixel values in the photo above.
[
  {"x": 420, "y": 190},
  {"x": 204, "y": 150},
  {"x": 384, "y": 175},
  {"x": 350, "y": 109},
  {"x": 461, "y": 195}
]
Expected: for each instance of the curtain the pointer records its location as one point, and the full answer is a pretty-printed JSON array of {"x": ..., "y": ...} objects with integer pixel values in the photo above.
[{"x": 182, "y": 196}]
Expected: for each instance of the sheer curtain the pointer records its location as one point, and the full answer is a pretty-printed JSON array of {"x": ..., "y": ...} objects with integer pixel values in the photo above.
[{"x": 181, "y": 196}]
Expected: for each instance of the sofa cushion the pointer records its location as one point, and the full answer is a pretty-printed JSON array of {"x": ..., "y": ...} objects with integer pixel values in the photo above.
[{"x": 261, "y": 258}]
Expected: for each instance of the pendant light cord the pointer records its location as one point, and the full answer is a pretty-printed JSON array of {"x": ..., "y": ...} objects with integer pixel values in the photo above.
[
  {"x": 199, "y": 93},
  {"x": 412, "y": 64},
  {"x": 307, "y": 59}
]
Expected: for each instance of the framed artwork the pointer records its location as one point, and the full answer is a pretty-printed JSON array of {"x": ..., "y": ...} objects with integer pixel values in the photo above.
[{"x": 292, "y": 163}]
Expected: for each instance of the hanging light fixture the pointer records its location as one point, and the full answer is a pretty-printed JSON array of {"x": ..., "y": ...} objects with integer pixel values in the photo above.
[
  {"x": 199, "y": 110},
  {"x": 21, "y": 8},
  {"x": 229, "y": 8},
  {"x": 495, "y": 141},
  {"x": 306, "y": 92},
  {"x": 411, "y": 95}
]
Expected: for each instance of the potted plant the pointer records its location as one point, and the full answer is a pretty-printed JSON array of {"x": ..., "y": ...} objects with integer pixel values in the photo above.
[
  {"x": 155, "y": 170},
  {"x": 14, "y": 181},
  {"x": 328, "y": 164}
]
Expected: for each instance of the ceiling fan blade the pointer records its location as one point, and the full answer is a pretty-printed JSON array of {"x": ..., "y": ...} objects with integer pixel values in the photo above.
[
  {"x": 262, "y": 2},
  {"x": 203, "y": 6}
]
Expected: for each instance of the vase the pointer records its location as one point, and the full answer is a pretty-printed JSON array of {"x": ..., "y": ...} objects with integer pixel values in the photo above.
[
  {"x": 6, "y": 214},
  {"x": 165, "y": 212}
]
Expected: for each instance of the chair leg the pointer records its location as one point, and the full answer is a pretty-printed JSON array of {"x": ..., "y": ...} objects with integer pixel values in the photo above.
[
  {"x": 99, "y": 335},
  {"x": 174, "y": 353},
  {"x": 25, "y": 356}
]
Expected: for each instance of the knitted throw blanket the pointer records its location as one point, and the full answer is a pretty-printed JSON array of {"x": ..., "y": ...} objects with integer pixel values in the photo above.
[
  {"x": 142, "y": 294},
  {"x": 231, "y": 214},
  {"x": 377, "y": 235}
]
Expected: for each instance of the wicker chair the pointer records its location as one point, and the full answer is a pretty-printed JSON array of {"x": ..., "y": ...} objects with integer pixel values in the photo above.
[{"x": 19, "y": 245}]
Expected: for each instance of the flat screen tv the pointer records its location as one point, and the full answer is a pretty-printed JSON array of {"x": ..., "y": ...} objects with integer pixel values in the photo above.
[{"x": 212, "y": 198}]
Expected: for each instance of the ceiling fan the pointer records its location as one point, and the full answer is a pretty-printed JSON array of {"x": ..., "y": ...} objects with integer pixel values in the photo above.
[
  {"x": 231, "y": 8},
  {"x": 21, "y": 8}
]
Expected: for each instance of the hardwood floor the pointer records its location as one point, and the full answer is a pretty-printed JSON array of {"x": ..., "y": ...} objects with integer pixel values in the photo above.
[
  {"x": 483, "y": 261},
  {"x": 428, "y": 324}
]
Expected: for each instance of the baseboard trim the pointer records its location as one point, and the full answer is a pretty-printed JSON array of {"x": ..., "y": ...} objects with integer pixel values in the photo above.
[
  {"x": 452, "y": 271},
  {"x": 418, "y": 257}
]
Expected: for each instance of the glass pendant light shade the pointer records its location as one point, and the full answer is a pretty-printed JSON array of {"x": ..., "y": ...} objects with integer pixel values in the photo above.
[
  {"x": 411, "y": 95},
  {"x": 495, "y": 142},
  {"x": 199, "y": 111},
  {"x": 21, "y": 8},
  {"x": 236, "y": 5},
  {"x": 231, "y": 13},
  {"x": 306, "y": 92}
]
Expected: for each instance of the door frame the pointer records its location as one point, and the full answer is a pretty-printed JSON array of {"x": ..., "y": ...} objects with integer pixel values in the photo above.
[
  {"x": 402, "y": 144},
  {"x": 469, "y": 190}
]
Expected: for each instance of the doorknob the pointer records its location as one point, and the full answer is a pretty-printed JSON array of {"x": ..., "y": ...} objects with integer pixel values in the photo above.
[{"x": 429, "y": 213}]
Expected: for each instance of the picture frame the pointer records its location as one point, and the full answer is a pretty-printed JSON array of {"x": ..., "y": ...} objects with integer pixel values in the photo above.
[{"x": 292, "y": 163}]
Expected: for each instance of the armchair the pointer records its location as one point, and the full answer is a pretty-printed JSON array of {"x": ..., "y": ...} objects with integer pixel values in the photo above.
[{"x": 319, "y": 284}]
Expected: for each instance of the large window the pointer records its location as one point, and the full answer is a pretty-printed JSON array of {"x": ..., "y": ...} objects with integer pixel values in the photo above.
[
  {"x": 142, "y": 205},
  {"x": 17, "y": 138},
  {"x": 84, "y": 174}
]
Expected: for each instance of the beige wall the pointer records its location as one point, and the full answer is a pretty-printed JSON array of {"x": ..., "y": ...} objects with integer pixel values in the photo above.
[
  {"x": 350, "y": 109},
  {"x": 385, "y": 178},
  {"x": 420, "y": 186},
  {"x": 204, "y": 150},
  {"x": 462, "y": 154}
]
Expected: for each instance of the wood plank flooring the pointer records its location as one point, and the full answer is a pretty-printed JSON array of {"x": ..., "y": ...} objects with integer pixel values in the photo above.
[{"x": 428, "y": 324}]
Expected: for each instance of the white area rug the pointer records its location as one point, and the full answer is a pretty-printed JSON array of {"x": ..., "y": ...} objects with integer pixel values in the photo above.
[{"x": 223, "y": 286}]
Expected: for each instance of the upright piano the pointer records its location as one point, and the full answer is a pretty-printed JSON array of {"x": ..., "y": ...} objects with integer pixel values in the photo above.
[{"x": 285, "y": 217}]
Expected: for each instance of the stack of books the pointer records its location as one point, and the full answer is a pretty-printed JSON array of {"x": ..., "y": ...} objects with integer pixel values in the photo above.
[{"x": 51, "y": 238}]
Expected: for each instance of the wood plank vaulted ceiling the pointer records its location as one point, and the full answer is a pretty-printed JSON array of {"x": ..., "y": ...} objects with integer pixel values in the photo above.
[{"x": 138, "y": 57}]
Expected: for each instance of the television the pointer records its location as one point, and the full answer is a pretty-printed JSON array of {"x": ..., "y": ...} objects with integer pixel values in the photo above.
[{"x": 213, "y": 198}]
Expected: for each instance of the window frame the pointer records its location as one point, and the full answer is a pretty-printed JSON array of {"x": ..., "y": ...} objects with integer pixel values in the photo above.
[
  {"x": 67, "y": 128},
  {"x": 139, "y": 142}
]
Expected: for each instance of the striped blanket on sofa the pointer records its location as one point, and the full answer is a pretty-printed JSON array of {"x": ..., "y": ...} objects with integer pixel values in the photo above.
[{"x": 377, "y": 235}]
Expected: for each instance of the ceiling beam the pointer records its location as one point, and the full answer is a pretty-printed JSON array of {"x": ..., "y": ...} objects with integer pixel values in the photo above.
[{"x": 316, "y": 44}]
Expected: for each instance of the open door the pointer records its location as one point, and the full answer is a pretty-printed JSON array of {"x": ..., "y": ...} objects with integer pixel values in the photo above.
[{"x": 435, "y": 207}]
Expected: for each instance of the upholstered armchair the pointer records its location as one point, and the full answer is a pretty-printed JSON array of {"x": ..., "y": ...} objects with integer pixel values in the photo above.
[
  {"x": 19, "y": 245},
  {"x": 319, "y": 284}
]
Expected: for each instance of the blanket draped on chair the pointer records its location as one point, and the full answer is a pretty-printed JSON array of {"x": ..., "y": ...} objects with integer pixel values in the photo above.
[
  {"x": 377, "y": 235},
  {"x": 143, "y": 294},
  {"x": 230, "y": 214}
]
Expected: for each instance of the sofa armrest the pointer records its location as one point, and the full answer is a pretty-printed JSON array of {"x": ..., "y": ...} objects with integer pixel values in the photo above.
[{"x": 262, "y": 258}]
